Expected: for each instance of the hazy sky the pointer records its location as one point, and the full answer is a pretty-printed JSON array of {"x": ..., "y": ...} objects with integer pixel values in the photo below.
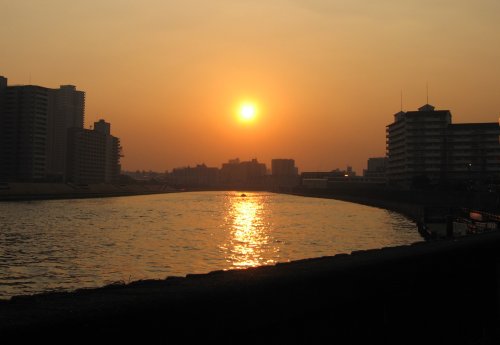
[{"x": 325, "y": 74}]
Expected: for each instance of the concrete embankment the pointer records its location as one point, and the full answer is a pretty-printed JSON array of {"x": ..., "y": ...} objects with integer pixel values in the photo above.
[
  {"x": 412, "y": 203},
  {"x": 46, "y": 191},
  {"x": 442, "y": 292},
  {"x": 413, "y": 211}
]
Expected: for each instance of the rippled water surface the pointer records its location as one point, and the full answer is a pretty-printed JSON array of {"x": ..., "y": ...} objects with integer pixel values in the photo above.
[{"x": 70, "y": 244}]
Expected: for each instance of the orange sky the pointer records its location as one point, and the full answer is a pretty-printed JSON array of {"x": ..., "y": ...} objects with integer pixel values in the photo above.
[{"x": 326, "y": 74}]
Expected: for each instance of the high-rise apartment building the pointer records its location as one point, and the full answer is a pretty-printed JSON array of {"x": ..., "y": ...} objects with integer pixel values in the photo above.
[
  {"x": 425, "y": 145},
  {"x": 66, "y": 110},
  {"x": 93, "y": 156},
  {"x": 473, "y": 151},
  {"x": 34, "y": 121},
  {"x": 103, "y": 127},
  {"x": 24, "y": 125},
  {"x": 42, "y": 137}
]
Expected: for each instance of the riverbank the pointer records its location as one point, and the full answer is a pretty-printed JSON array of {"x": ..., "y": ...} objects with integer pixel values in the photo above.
[
  {"x": 412, "y": 203},
  {"x": 412, "y": 211},
  {"x": 442, "y": 292},
  {"x": 50, "y": 191}
]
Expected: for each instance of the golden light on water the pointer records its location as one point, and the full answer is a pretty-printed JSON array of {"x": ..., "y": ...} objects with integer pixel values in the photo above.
[{"x": 248, "y": 243}]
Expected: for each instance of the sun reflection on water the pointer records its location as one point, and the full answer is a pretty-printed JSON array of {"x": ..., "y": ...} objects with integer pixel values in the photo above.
[{"x": 249, "y": 240}]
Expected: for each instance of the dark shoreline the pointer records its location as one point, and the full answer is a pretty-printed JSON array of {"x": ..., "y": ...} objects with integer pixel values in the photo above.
[
  {"x": 40, "y": 197},
  {"x": 60, "y": 191},
  {"x": 42, "y": 191},
  {"x": 409, "y": 210}
]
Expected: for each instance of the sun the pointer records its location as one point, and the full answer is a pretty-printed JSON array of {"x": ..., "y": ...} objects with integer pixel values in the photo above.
[{"x": 247, "y": 112}]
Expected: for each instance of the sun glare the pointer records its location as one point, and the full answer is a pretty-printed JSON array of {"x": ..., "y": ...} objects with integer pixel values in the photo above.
[{"x": 247, "y": 112}]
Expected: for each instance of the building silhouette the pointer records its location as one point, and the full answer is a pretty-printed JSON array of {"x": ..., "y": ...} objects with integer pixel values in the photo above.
[
  {"x": 376, "y": 170},
  {"x": 424, "y": 147},
  {"x": 322, "y": 179},
  {"x": 284, "y": 173},
  {"x": 198, "y": 176},
  {"x": 93, "y": 156},
  {"x": 24, "y": 132},
  {"x": 35, "y": 124},
  {"x": 237, "y": 174},
  {"x": 283, "y": 167},
  {"x": 67, "y": 110},
  {"x": 243, "y": 174}
]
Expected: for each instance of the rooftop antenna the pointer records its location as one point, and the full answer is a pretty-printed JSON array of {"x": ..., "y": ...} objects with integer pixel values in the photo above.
[
  {"x": 401, "y": 99},
  {"x": 30, "y": 79},
  {"x": 427, "y": 87}
]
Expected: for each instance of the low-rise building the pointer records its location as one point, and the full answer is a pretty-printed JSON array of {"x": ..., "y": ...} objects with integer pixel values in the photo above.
[
  {"x": 198, "y": 176},
  {"x": 376, "y": 170},
  {"x": 243, "y": 174},
  {"x": 284, "y": 173}
]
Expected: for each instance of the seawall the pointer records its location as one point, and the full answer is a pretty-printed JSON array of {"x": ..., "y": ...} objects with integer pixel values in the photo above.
[
  {"x": 411, "y": 210},
  {"x": 49, "y": 191},
  {"x": 442, "y": 292},
  {"x": 412, "y": 203}
]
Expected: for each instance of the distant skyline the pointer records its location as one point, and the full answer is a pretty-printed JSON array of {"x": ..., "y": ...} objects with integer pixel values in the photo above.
[{"x": 325, "y": 75}]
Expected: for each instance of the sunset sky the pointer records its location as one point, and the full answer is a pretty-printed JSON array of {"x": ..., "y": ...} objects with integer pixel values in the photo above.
[{"x": 325, "y": 75}]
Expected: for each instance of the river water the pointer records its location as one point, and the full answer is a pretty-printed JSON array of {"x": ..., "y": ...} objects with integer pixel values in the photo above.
[{"x": 61, "y": 245}]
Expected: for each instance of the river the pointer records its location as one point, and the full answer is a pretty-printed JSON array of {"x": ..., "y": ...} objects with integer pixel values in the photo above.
[{"x": 62, "y": 245}]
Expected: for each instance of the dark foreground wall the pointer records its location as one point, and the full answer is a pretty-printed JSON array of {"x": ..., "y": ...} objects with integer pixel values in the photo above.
[{"x": 437, "y": 292}]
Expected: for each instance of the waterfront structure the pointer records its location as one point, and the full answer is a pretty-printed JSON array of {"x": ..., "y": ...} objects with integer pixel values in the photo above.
[
  {"x": 424, "y": 147},
  {"x": 314, "y": 183},
  {"x": 247, "y": 173},
  {"x": 376, "y": 169},
  {"x": 93, "y": 155},
  {"x": 473, "y": 152},
  {"x": 284, "y": 173},
  {"x": 146, "y": 176},
  {"x": 24, "y": 117},
  {"x": 34, "y": 121},
  {"x": 283, "y": 167},
  {"x": 67, "y": 110},
  {"x": 321, "y": 179},
  {"x": 198, "y": 176}
]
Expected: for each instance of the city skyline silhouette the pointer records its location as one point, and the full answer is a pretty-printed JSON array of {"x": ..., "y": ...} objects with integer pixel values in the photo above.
[{"x": 326, "y": 76}]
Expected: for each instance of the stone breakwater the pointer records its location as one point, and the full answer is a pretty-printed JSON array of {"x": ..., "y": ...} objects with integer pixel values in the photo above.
[{"x": 444, "y": 292}]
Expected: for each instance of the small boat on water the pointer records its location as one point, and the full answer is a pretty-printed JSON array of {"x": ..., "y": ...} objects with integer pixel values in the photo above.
[{"x": 243, "y": 195}]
